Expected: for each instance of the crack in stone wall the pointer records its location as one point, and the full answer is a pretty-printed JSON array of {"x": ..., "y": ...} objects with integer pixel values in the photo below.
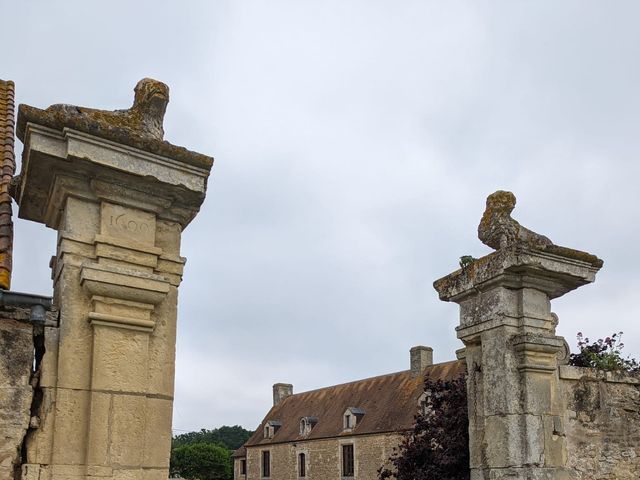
[
  {"x": 22, "y": 350},
  {"x": 37, "y": 397}
]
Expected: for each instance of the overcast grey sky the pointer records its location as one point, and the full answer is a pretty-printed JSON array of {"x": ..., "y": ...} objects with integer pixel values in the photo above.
[{"x": 355, "y": 144}]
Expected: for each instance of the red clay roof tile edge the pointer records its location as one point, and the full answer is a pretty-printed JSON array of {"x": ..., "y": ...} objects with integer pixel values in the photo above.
[{"x": 7, "y": 169}]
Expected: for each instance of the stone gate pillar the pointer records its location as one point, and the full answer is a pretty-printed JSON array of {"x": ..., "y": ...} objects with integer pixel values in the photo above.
[
  {"x": 512, "y": 350},
  {"x": 119, "y": 197}
]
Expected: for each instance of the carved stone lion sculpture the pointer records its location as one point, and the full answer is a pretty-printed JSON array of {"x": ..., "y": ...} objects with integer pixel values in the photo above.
[
  {"x": 144, "y": 118},
  {"x": 136, "y": 126},
  {"x": 139, "y": 127},
  {"x": 498, "y": 230}
]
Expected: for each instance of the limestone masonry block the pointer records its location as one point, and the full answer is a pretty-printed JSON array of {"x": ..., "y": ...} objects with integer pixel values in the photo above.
[
  {"x": 99, "y": 438},
  {"x": 112, "y": 368}
]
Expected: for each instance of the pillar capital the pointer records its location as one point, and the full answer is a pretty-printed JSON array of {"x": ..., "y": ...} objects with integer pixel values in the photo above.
[
  {"x": 513, "y": 287},
  {"x": 554, "y": 270},
  {"x": 62, "y": 163}
]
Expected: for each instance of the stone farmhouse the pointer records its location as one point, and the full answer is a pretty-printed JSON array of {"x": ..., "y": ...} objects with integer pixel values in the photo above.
[
  {"x": 87, "y": 375},
  {"x": 343, "y": 431}
]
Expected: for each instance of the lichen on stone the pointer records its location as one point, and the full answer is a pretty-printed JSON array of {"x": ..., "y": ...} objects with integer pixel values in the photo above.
[
  {"x": 498, "y": 230},
  {"x": 140, "y": 126},
  {"x": 575, "y": 255}
]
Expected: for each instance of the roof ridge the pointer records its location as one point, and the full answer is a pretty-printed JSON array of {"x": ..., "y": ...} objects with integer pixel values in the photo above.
[{"x": 365, "y": 379}]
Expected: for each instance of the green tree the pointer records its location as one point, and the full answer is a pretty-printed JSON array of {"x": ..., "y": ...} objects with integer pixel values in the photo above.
[
  {"x": 202, "y": 461},
  {"x": 231, "y": 437}
]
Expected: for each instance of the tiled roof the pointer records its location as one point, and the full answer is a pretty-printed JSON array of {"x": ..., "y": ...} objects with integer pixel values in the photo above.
[
  {"x": 390, "y": 403},
  {"x": 7, "y": 169},
  {"x": 239, "y": 453}
]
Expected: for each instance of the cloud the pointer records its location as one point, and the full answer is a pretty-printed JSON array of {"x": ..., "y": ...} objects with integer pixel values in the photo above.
[{"x": 355, "y": 143}]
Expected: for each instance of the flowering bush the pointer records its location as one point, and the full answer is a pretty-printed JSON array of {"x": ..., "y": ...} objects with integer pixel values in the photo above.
[{"x": 604, "y": 354}]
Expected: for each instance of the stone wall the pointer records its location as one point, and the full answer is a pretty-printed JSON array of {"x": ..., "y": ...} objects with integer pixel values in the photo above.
[
  {"x": 323, "y": 457},
  {"x": 603, "y": 424},
  {"x": 237, "y": 469},
  {"x": 16, "y": 361}
]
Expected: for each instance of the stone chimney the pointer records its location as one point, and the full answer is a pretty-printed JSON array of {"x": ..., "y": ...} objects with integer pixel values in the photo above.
[
  {"x": 421, "y": 357},
  {"x": 281, "y": 391}
]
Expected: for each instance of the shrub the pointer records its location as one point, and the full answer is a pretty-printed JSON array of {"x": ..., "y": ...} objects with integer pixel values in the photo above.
[
  {"x": 604, "y": 354},
  {"x": 202, "y": 461}
]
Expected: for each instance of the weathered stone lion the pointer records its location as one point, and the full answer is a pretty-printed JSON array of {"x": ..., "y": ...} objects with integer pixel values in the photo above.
[
  {"x": 498, "y": 230},
  {"x": 144, "y": 118},
  {"x": 139, "y": 126},
  {"x": 134, "y": 126}
]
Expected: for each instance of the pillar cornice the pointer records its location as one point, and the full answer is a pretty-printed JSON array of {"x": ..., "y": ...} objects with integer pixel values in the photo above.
[
  {"x": 554, "y": 270},
  {"x": 59, "y": 164}
]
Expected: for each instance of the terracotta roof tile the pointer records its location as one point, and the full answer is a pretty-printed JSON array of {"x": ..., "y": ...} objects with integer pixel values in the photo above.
[
  {"x": 390, "y": 403},
  {"x": 7, "y": 169}
]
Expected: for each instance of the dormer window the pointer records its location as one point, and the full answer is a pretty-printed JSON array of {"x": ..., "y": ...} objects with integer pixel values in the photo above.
[
  {"x": 271, "y": 428},
  {"x": 425, "y": 403},
  {"x": 352, "y": 417},
  {"x": 306, "y": 424}
]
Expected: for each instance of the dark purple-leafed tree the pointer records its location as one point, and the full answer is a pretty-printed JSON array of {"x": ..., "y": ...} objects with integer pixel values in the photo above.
[{"x": 437, "y": 448}]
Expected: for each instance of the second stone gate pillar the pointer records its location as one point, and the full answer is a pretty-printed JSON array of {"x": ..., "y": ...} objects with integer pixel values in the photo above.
[
  {"x": 119, "y": 198},
  {"x": 512, "y": 350}
]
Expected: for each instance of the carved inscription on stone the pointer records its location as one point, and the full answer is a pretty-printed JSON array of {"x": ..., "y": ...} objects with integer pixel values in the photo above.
[{"x": 135, "y": 225}]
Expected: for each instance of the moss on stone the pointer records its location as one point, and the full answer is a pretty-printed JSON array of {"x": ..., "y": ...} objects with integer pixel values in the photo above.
[
  {"x": 575, "y": 255},
  {"x": 139, "y": 126}
]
